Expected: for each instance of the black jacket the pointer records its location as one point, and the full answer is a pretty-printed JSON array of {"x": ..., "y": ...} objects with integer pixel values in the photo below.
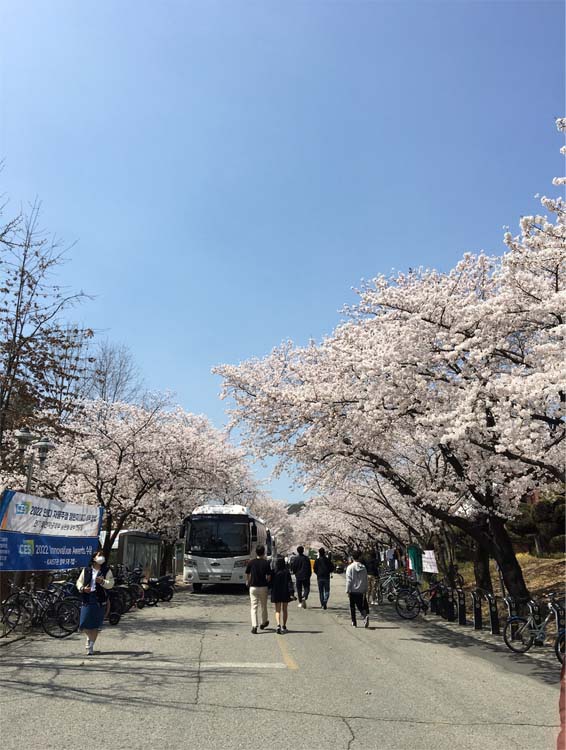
[
  {"x": 372, "y": 566},
  {"x": 323, "y": 567},
  {"x": 101, "y": 594},
  {"x": 302, "y": 568}
]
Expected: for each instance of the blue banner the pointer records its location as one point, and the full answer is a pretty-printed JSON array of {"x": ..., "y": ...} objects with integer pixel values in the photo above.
[
  {"x": 37, "y": 552},
  {"x": 38, "y": 533}
]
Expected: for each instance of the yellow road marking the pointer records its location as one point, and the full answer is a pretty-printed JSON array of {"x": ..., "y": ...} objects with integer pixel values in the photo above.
[{"x": 287, "y": 658}]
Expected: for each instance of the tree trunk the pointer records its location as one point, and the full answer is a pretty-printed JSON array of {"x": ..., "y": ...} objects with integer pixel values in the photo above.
[
  {"x": 108, "y": 538},
  {"x": 495, "y": 538},
  {"x": 503, "y": 552},
  {"x": 481, "y": 567},
  {"x": 441, "y": 556},
  {"x": 167, "y": 550}
]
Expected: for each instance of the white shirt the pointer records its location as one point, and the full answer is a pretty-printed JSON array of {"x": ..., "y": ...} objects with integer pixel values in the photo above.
[{"x": 95, "y": 573}]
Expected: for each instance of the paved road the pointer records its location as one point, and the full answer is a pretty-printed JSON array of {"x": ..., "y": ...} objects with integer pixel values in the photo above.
[{"x": 189, "y": 674}]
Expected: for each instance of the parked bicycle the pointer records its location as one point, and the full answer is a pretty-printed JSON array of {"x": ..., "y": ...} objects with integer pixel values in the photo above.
[
  {"x": 522, "y": 633},
  {"x": 390, "y": 583},
  {"x": 410, "y": 602},
  {"x": 49, "y": 608}
]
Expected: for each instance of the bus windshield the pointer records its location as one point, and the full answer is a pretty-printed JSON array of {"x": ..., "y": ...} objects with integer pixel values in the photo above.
[{"x": 219, "y": 536}]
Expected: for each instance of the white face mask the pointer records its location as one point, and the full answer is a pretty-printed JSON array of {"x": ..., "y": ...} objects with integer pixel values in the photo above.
[{"x": 100, "y": 560}]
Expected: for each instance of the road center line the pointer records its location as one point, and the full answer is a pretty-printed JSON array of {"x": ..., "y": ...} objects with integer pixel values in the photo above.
[{"x": 290, "y": 663}]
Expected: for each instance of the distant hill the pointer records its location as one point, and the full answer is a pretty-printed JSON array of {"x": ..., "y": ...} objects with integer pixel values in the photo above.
[{"x": 294, "y": 508}]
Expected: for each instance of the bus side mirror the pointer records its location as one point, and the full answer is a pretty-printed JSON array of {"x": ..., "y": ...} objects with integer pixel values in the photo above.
[
  {"x": 254, "y": 532},
  {"x": 182, "y": 531}
]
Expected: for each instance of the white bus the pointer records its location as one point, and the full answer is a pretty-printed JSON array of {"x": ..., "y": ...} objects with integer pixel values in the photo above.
[{"x": 219, "y": 542}]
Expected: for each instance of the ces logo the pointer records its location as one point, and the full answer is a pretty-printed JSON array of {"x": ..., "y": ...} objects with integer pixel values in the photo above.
[{"x": 26, "y": 547}]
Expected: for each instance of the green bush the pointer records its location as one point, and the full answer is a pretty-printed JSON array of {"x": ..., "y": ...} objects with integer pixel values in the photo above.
[
  {"x": 557, "y": 543},
  {"x": 543, "y": 512},
  {"x": 523, "y": 523},
  {"x": 560, "y": 513}
]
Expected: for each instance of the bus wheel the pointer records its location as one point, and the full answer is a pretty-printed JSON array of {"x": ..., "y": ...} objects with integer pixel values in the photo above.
[{"x": 197, "y": 588}]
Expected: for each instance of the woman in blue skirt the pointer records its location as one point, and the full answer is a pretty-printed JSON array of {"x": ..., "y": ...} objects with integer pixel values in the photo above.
[{"x": 92, "y": 583}]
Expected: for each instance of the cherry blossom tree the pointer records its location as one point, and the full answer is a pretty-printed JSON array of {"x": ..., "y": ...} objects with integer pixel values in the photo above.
[
  {"x": 449, "y": 387},
  {"x": 276, "y": 516},
  {"x": 145, "y": 465}
]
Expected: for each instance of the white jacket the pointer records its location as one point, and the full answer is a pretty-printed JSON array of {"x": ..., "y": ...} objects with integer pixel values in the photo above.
[{"x": 356, "y": 578}]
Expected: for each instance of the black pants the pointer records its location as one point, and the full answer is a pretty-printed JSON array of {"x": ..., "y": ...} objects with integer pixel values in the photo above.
[
  {"x": 303, "y": 589},
  {"x": 359, "y": 601}
]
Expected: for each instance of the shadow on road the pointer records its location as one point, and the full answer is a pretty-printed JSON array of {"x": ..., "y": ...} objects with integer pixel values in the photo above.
[{"x": 544, "y": 668}]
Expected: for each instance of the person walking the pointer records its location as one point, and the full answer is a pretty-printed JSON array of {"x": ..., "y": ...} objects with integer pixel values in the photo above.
[
  {"x": 372, "y": 567},
  {"x": 282, "y": 592},
  {"x": 258, "y": 577},
  {"x": 356, "y": 588},
  {"x": 93, "y": 583},
  {"x": 323, "y": 567},
  {"x": 303, "y": 571}
]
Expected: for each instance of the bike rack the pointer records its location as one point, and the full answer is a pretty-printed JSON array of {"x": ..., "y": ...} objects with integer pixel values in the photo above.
[
  {"x": 493, "y": 614},
  {"x": 511, "y": 604},
  {"x": 450, "y": 605},
  {"x": 476, "y": 602},
  {"x": 477, "y": 596},
  {"x": 558, "y": 615},
  {"x": 461, "y": 606}
]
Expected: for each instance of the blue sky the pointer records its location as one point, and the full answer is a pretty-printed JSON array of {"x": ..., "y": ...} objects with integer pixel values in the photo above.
[{"x": 230, "y": 170}]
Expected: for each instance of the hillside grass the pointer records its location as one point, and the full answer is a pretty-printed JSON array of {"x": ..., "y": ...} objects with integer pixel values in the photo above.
[{"x": 542, "y": 574}]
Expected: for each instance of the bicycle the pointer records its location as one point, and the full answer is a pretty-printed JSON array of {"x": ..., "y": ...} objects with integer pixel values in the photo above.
[
  {"x": 10, "y": 614},
  {"x": 390, "y": 583},
  {"x": 410, "y": 602},
  {"x": 521, "y": 633},
  {"x": 57, "y": 615}
]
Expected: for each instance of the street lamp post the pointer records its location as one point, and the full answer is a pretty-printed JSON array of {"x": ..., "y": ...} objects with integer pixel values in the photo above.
[{"x": 27, "y": 439}]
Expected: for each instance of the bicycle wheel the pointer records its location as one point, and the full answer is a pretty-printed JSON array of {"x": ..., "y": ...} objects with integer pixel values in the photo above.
[
  {"x": 517, "y": 635},
  {"x": 559, "y": 646},
  {"x": 69, "y": 615},
  {"x": 10, "y": 613},
  {"x": 166, "y": 594},
  {"x": 151, "y": 597},
  {"x": 55, "y": 624},
  {"x": 29, "y": 609},
  {"x": 407, "y": 604}
]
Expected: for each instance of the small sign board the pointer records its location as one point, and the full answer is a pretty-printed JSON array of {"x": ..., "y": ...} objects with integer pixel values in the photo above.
[{"x": 429, "y": 561}]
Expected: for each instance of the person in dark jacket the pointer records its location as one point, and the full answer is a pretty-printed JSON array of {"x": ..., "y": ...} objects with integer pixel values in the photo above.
[
  {"x": 281, "y": 593},
  {"x": 93, "y": 583},
  {"x": 323, "y": 567},
  {"x": 303, "y": 571},
  {"x": 372, "y": 567}
]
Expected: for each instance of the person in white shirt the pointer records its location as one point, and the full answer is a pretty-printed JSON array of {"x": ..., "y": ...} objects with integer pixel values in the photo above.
[
  {"x": 93, "y": 583},
  {"x": 356, "y": 588}
]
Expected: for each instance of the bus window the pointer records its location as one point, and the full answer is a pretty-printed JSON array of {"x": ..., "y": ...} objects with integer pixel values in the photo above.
[{"x": 218, "y": 537}]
